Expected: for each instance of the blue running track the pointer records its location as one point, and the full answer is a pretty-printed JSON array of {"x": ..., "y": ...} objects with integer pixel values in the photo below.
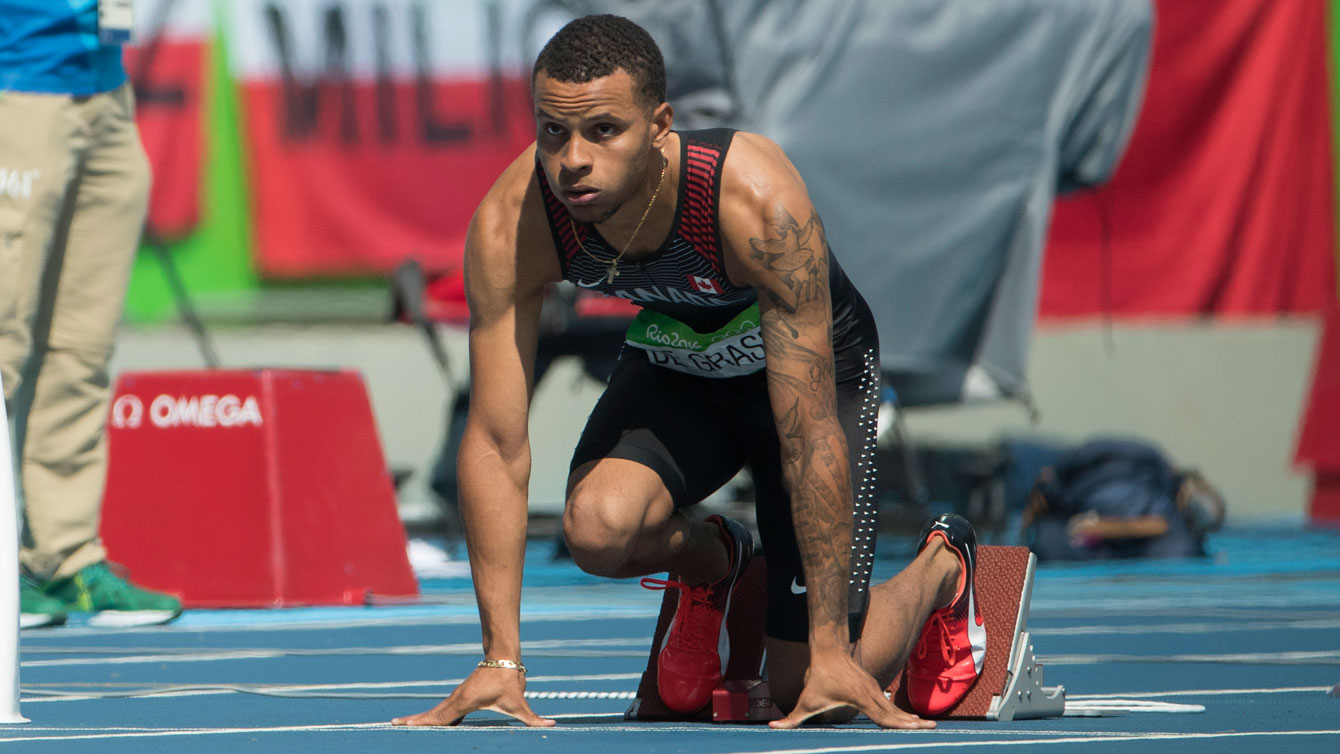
[{"x": 1252, "y": 635}]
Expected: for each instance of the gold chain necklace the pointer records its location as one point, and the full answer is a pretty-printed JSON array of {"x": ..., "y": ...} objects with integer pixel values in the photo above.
[{"x": 613, "y": 271}]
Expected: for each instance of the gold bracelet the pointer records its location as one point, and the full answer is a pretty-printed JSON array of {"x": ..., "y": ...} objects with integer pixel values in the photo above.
[{"x": 508, "y": 664}]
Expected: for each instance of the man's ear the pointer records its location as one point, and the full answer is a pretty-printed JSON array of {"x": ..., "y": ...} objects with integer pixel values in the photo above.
[{"x": 662, "y": 120}]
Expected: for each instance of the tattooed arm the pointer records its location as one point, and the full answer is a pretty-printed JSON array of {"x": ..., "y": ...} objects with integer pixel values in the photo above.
[
  {"x": 790, "y": 265},
  {"x": 775, "y": 242}
]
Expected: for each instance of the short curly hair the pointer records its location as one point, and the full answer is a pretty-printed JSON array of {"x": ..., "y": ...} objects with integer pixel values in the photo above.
[{"x": 593, "y": 47}]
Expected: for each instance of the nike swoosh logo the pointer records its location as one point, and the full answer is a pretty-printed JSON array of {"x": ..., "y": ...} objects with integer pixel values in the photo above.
[
  {"x": 580, "y": 284},
  {"x": 796, "y": 587}
]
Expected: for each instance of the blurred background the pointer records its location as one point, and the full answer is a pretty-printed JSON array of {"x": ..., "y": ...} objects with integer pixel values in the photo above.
[{"x": 1073, "y": 220}]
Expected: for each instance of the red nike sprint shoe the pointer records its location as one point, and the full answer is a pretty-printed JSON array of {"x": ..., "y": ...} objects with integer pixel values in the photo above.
[
  {"x": 696, "y": 649},
  {"x": 949, "y": 655}
]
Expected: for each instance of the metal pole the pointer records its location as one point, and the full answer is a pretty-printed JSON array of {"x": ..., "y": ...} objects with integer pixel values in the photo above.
[{"x": 9, "y": 579}]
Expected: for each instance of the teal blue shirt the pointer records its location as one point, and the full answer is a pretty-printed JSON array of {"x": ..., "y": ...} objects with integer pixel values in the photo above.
[{"x": 52, "y": 46}]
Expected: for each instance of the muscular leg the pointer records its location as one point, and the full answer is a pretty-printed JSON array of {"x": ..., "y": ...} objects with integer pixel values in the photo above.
[
  {"x": 898, "y": 609},
  {"x": 620, "y": 521}
]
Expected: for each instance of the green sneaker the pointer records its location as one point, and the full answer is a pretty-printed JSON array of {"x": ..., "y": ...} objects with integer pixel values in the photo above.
[
  {"x": 36, "y": 609},
  {"x": 114, "y": 602}
]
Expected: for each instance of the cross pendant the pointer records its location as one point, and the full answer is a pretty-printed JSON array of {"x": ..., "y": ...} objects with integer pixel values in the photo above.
[{"x": 612, "y": 273}]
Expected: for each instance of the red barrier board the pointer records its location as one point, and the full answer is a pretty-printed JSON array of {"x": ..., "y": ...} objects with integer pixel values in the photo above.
[
  {"x": 1324, "y": 509},
  {"x": 1224, "y": 201},
  {"x": 252, "y": 489},
  {"x": 1318, "y": 442}
]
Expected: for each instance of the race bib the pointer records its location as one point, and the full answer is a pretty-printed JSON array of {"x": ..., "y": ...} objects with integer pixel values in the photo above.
[{"x": 732, "y": 351}]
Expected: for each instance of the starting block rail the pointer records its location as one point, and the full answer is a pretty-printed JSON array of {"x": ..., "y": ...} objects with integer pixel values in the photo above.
[{"x": 1010, "y": 686}]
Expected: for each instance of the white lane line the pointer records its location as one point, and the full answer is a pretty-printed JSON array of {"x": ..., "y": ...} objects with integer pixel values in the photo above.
[
  {"x": 638, "y": 647},
  {"x": 1186, "y": 628},
  {"x": 1137, "y": 737},
  {"x": 326, "y": 624},
  {"x": 469, "y": 647},
  {"x": 1127, "y": 700},
  {"x": 202, "y": 732},
  {"x": 866, "y": 729},
  {"x": 249, "y": 654},
  {"x": 1204, "y": 692},
  {"x": 1105, "y": 707},
  {"x": 34, "y": 635},
  {"x": 601, "y": 722},
  {"x": 1009, "y": 740},
  {"x": 1236, "y": 658},
  {"x": 300, "y": 690},
  {"x": 1179, "y": 604}
]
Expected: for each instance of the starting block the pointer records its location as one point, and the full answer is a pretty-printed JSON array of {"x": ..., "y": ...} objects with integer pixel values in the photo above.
[{"x": 1009, "y": 687}]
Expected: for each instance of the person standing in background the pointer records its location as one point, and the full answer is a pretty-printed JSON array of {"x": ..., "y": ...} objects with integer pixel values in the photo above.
[{"x": 74, "y": 186}]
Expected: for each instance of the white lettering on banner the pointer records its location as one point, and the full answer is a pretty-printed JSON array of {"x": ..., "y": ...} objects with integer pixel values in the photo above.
[
  {"x": 127, "y": 412},
  {"x": 18, "y": 184},
  {"x": 202, "y": 411}
]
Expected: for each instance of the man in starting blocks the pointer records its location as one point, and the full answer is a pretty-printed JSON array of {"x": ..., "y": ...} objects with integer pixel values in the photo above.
[{"x": 752, "y": 347}]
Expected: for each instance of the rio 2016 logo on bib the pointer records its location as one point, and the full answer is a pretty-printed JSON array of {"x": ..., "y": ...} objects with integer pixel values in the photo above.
[{"x": 731, "y": 351}]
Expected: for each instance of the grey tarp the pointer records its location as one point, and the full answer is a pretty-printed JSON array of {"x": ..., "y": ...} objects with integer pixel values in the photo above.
[{"x": 933, "y": 136}]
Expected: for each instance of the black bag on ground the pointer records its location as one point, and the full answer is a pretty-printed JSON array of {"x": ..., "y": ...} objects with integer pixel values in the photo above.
[{"x": 1116, "y": 498}]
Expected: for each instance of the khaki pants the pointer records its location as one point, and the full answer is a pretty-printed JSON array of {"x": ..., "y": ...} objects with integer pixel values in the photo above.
[{"x": 74, "y": 186}]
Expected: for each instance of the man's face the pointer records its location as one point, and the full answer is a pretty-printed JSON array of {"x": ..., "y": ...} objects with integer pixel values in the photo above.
[{"x": 594, "y": 141}]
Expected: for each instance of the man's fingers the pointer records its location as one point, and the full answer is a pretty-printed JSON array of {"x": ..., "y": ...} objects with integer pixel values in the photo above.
[
  {"x": 883, "y": 713},
  {"x": 796, "y": 719},
  {"x": 533, "y": 720},
  {"x": 803, "y": 711},
  {"x": 451, "y": 711},
  {"x": 790, "y": 722},
  {"x": 441, "y": 715},
  {"x": 877, "y": 707},
  {"x": 523, "y": 713}
]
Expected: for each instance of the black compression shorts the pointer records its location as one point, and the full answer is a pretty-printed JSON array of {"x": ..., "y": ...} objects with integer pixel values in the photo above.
[{"x": 696, "y": 433}]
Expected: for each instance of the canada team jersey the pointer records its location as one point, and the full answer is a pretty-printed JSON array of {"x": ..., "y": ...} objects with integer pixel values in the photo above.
[{"x": 692, "y": 318}]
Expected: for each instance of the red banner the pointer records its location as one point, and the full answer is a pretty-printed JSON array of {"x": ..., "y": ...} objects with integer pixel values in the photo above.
[
  {"x": 1223, "y": 203},
  {"x": 167, "y": 68},
  {"x": 364, "y": 184},
  {"x": 374, "y": 128}
]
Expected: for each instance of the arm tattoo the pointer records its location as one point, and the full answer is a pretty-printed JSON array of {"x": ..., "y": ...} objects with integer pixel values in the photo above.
[
  {"x": 797, "y": 258},
  {"x": 797, "y": 333}
]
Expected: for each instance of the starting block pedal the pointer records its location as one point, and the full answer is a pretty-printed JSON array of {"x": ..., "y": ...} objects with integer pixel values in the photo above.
[{"x": 1009, "y": 688}]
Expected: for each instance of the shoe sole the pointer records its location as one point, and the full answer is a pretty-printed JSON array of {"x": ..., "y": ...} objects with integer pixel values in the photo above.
[
  {"x": 39, "y": 620},
  {"x": 131, "y": 618}
]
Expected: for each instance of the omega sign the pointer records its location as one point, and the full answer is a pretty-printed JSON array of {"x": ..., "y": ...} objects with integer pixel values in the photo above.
[{"x": 187, "y": 411}]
